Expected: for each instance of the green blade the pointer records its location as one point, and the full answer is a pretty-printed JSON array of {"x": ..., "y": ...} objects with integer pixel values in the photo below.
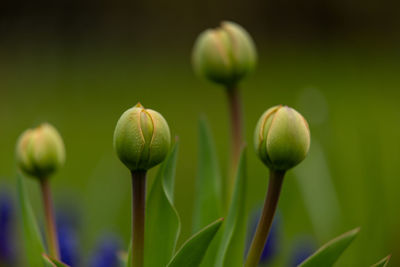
[
  {"x": 51, "y": 262},
  {"x": 127, "y": 259},
  {"x": 32, "y": 240},
  {"x": 231, "y": 250},
  {"x": 208, "y": 197},
  {"x": 383, "y": 262},
  {"x": 208, "y": 184},
  {"x": 194, "y": 249},
  {"x": 162, "y": 220},
  {"x": 329, "y": 253}
]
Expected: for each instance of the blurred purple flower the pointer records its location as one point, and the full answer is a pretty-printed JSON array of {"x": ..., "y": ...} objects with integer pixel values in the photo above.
[
  {"x": 106, "y": 253},
  {"x": 7, "y": 245},
  {"x": 67, "y": 230},
  {"x": 302, "y": 249},
  {"x": 272, "y": 245}
]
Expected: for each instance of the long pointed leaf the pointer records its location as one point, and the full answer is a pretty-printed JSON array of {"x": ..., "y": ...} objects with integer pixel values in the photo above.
[
  {"x": 383, "y": 263},
  {"x": 208, "y": 197},
  {"x": 50, "y": 262},
  {"x": 32, "y": 240},
  {"x": 231, "y": 250},
  {"x": 329, "y": 253},
  {"x": 208, "y": 185},
  {"x": 127, "y": 260},
  {"x": 162, "y": 220},
  {"x": 194, "y": 249}
]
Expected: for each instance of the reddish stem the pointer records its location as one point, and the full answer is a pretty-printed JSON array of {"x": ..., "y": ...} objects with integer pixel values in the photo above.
[
  {"x": 235, "y": 110},
  {"x": 51, "y": 229},
  {"x": 264, "y": 225},
  {"x": 138, "y": 216}
]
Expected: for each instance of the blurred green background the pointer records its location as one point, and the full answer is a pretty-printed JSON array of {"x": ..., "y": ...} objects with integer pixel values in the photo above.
[{"x": 79, "y": 65}]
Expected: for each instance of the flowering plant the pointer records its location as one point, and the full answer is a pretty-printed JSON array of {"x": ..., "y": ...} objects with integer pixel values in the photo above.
[{"x": 142, "y": 140}]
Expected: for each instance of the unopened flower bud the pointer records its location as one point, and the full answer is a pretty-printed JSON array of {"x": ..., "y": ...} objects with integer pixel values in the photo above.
[
  {"x": 224, "y": 55},
  {"x": 40, "y": 151},
  {"x": 282, "y": 138},
  {"x": 141, "y": 138}
]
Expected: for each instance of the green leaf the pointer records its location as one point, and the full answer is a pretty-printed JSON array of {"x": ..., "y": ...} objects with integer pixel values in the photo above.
[
  {"x": 383, "y": 262},
  {"x": 193, "y": 250},
  {"x": 208, "y": 197},
  {"x": 48, "y": 262},
  {"x": 51, "y": 262},
  {"x": 329, "y": 253},
  {"x": 231, "y": 250},
  {"x": 32, "y": 240},
  {"x": 162, "y": 220},
  {"x": 127, "y": 261}
]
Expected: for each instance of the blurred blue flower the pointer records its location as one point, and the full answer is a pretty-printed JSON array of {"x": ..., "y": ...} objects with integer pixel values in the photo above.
[
  {"x": 7, "y": 245},
  {"x": 271, "y": 247},
  {"x": 106, "y": 253},
  {"x": 303, "y": 248},
  {"x": 67, "y": 230}
]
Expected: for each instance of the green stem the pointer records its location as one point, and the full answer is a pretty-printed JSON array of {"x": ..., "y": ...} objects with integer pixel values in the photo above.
[
  {"x": 236, "y": 113},
  {"x": 264, "y": 225},
  {"x": 51, "y": 230},
  {"x": 138, "y": 216}
]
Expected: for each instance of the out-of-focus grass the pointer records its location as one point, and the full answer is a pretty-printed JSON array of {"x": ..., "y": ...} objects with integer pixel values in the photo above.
[{"x": 350, "y": 97}]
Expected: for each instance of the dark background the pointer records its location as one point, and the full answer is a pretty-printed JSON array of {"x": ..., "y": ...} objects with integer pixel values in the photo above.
[{"x": 177, "y": 22}]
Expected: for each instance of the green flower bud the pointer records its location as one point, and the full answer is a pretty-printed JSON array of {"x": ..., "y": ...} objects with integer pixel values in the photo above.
[
  {"x": 142, "y": 138},
  {"x": 224, "y": 55},
  {"x": 40, "y": 151},
  {"x": 282, "y": 138}
]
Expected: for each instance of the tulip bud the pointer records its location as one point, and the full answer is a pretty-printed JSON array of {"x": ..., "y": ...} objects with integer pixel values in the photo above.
[
  {"x": 224, "y": 55},
  {"x": 141, "y": 138},
  {"x": 40, "y": 151},
  {"x": 282, "y": 138}
]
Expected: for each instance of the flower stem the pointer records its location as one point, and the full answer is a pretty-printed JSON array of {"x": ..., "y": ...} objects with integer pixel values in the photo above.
[
  {"x": 138, "y": 216},
  {"x": 235, "y": 110},
  {"x": 51, "y": 230},
  {"x": 264, "y": 225}
]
